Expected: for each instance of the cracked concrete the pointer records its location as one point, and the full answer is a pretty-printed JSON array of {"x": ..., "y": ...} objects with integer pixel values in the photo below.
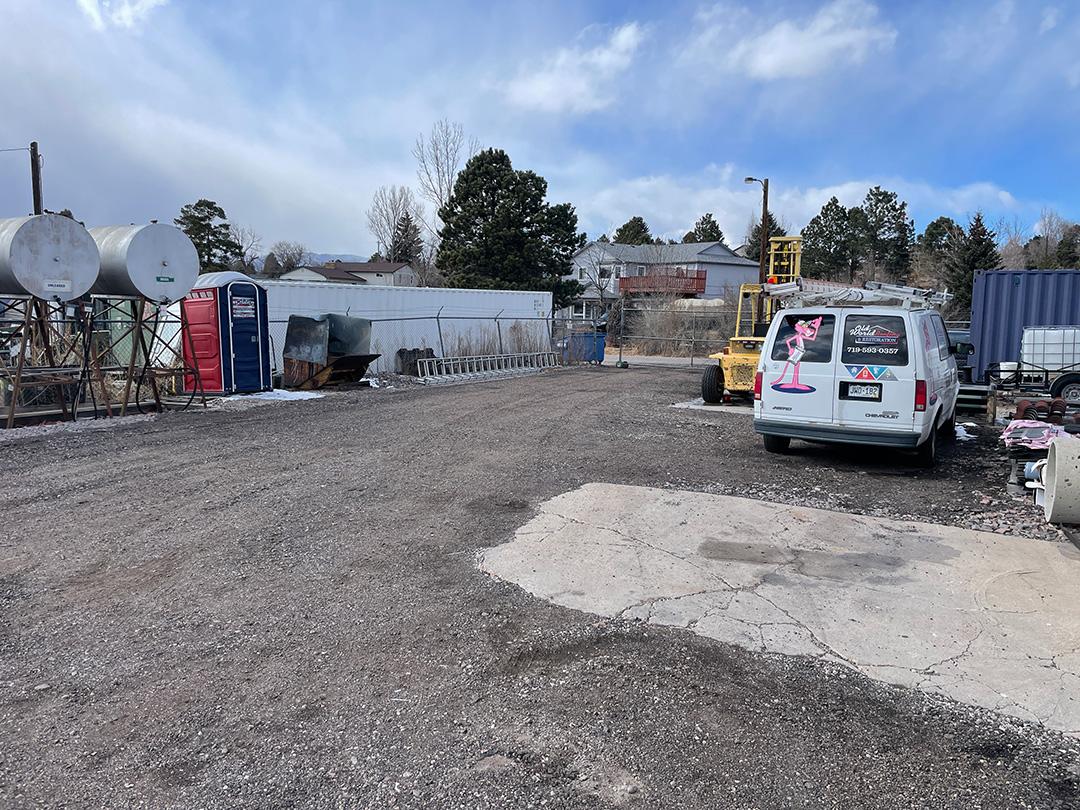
[{"x": 984, "y": 619}]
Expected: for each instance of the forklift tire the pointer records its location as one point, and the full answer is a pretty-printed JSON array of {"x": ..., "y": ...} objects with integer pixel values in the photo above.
[
  {"x": 712, "y": 385},
  {"x": 776, "y": 444}
]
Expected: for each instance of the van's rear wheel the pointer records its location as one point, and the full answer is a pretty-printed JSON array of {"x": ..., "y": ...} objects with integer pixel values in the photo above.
[
  {"x": 948, "y": 427},
  {"x": 712, "y": 385},
  {"x": 776, "y": 444},
  {"x": 926, "y": 455}
]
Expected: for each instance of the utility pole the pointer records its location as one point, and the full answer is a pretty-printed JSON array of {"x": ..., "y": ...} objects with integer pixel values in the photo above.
[
  {"x": 35, "y": 177},
  {"x": 764, "y": 230},
  {"x": 763, "y": 258}
]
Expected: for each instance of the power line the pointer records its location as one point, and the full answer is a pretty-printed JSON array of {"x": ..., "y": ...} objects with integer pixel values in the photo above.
[{"x": 16, "y": 149}]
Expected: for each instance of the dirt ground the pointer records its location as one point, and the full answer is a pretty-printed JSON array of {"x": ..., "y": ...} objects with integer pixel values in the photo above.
[{"x": 280, "y": 607}]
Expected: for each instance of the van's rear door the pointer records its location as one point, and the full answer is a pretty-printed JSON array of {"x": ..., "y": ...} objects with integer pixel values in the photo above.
[
  {"x": 875, "y": 378},
  {"x": 798, "y": 369}
]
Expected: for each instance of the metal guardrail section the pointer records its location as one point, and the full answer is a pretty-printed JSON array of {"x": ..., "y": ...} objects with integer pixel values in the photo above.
[{"x": 483, "y": 367}]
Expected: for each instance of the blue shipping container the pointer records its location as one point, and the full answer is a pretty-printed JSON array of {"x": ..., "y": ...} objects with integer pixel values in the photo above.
[{"x": 1005, "y": 302}]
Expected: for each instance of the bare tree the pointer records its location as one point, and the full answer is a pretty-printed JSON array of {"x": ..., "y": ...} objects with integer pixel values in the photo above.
[
  {"x": 250, "y": 244},
  {"x": 427, "y": 273},
  {"x": 1051, "y": 228},
  {"x": 593, "y": 271},
  {"x": 290, "y": 255},
  {"x": 388, "y": 206},
  {"x": 1012, "y": 235},
  {"x": 439, "y": 158}
]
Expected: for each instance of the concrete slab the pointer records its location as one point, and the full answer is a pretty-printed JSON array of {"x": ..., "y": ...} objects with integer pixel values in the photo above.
[
  {"x": 989, "y": 620},
  {"x": 699, "y": 405}
]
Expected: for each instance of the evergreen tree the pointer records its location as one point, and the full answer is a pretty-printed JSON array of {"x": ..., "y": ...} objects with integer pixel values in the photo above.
[
  {"x": 633, "y": 232},
  {"x": 376, "y": 257},
  {"x": 498, "y": 232},
  {"x": 1068, "y": 249},
  {"x": 964, "y": 254},
  {"x": 833, "y": 243},
  {"x": 706, "y": 229},
  {"x": 889, "y": 233},
  {"x": 205, "y": 224},
  {"x": 406, "y": 243},
  {"x": 753, "y": 239},
  {"x": 931, "y": 242},
  {"x": 603, "y": 238},
  {"x": 271, "y": 266}
]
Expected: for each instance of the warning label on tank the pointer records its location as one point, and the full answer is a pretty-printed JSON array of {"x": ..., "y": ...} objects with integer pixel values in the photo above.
[
  {"x": 58, "y": 285},
  {"x": 164, "y": 279},
  {"x": 243, "y": 308}
]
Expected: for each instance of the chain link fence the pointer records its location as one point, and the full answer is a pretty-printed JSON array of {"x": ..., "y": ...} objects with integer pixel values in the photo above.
[
  {"x": 684, "y": 328},
  {"x": 460, "y": 336}
]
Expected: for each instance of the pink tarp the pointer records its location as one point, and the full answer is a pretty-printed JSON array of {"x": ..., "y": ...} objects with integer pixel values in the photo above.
[{"x": 1032, "y": 434}]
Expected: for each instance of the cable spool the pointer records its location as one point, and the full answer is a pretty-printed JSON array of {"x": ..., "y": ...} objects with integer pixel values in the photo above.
[
  {"x": 1062, "y": 481},
  {"x": 47, "y": 256},
  {"x": 156, "y": 261}
]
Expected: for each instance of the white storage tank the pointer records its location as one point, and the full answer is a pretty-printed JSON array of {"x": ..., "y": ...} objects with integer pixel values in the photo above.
[
  {"x": 47, "y": 256},
  {"x": 154, "y": 261}
]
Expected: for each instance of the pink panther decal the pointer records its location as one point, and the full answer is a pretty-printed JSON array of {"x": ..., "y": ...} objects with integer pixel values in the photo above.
[{"x": 804, "y": 331}]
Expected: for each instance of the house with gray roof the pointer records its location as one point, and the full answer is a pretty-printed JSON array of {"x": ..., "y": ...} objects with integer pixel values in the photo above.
[{"x": 608, "y": 270}]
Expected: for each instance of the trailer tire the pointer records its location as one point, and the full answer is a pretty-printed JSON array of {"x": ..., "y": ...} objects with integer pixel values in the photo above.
[
  {"x": 1067, "y": 387},
  {"x": 776, "y": 444},
  {"x": 712, "y": 385}
]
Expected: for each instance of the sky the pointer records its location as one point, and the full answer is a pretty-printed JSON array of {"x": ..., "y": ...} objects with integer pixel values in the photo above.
[{"x": 290, "y": 115}]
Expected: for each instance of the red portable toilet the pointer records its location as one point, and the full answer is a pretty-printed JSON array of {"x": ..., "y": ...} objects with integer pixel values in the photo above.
[{"x": 226, "y": 314}]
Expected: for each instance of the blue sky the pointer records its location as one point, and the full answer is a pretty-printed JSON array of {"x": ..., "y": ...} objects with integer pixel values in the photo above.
[{"x": 291, "y": 114}]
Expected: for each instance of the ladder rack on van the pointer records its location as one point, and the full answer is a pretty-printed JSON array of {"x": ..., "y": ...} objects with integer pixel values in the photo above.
[{"x": 803, "y": 291}]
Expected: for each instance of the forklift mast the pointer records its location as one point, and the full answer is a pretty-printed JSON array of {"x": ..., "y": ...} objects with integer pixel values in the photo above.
[{"x": 756, "y": 310}]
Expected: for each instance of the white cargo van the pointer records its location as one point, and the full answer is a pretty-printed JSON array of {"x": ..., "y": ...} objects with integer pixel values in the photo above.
[{"x": 857, "y": 373}]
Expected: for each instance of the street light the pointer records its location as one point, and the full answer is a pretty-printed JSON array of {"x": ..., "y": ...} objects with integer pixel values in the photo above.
[{"x": 764, "y": 224}]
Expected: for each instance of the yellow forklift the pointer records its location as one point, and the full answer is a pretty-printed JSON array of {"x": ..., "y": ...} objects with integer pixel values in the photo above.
[{"x": 733, "y": 375}]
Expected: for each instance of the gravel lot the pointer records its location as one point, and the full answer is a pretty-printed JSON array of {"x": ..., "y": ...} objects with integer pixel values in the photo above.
[{"x": 279, "y": 606}]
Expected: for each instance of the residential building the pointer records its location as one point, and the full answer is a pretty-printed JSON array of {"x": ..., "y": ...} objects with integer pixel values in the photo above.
[
  {"x": 379, "y": 274},
  {"x": 608, "y": 270}
]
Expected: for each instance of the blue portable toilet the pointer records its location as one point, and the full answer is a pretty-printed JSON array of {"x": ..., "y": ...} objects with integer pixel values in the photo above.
[{"x": 227, "y": 316}]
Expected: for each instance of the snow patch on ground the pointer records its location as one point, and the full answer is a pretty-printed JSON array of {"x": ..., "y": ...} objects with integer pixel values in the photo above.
[
  {"x": 277, "y": 395},
  {"x": 962, "y": 435}
]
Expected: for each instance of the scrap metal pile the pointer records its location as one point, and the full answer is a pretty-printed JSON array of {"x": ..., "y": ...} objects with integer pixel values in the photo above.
[{"x": 1043, "y": 445}]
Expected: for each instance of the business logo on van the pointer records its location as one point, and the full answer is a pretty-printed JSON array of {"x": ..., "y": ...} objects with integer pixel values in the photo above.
[
  {"x": 874, "y": 335},
  {"x": 870, "y": 372}
]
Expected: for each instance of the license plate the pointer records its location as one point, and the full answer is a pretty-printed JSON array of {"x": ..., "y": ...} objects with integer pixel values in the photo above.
[{"x": 864, "y": 391}]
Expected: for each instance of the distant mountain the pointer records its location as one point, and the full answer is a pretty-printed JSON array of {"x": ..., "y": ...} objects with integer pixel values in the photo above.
[
  {"x": 323, "y": 258},
  {"x": 320, "y": 258}
]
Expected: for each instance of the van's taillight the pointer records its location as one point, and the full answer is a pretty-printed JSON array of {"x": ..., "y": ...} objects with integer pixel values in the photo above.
[
  {"x": 920, "y": 395},
  {"x": 757, "y": 385}
]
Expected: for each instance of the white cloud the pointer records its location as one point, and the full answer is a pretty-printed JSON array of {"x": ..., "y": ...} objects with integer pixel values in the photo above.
[
  {"x": 841, "y": 33},
  {"x": 1049, "y": 20},
  {"x": 577, "y": 79},
  {"x": 118, "y": 13},
  {"x": 672, "y": 204}
]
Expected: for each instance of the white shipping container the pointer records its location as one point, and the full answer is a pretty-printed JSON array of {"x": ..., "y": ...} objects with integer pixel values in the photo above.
[
  {"x": 1053, "y": 348},
  {"x": 405, "y": 317}
]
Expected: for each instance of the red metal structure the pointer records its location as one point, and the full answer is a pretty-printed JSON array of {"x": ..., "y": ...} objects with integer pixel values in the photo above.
[{"x": 665, "y": 280}]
